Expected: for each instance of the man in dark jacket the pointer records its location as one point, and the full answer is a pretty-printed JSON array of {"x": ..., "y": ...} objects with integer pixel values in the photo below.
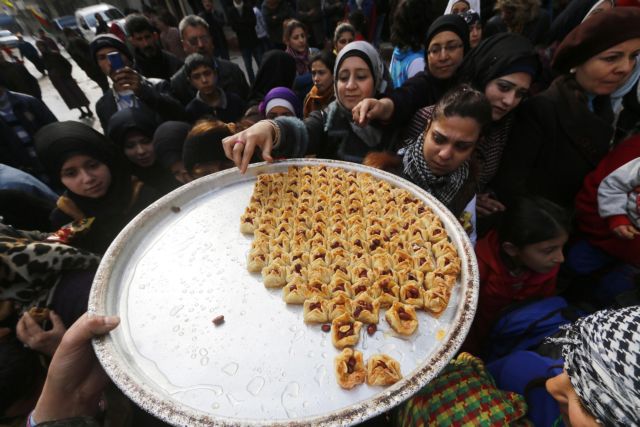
[
  {"x": 150, "y": 60},
  {"x": 130, "y": 89},
  {"x": 196, "y": 39},
  {"x": 215, "y": 20},
  {"x": 21, "y": 116}
]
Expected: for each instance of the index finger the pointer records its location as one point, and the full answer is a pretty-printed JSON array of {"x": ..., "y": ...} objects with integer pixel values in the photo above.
[
  {"x": 247, "y": 154},
  {"x": 30, "y": 323},
  {"x": 227, "y": 145}
]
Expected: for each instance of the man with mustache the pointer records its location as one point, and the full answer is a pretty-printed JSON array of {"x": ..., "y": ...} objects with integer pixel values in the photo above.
[{"x": 150, "y": 60}]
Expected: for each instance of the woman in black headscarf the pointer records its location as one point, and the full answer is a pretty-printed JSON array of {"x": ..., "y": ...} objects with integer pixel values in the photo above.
[
  {"x": 446, "y": 44},
  {"x": 132, "y": 130},
  {"x": 168, "y": 143},
  {"x": 97, "y": 181}
]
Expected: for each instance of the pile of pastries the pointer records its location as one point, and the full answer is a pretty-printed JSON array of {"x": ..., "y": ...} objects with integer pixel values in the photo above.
[{"x": 345, "y": 245}]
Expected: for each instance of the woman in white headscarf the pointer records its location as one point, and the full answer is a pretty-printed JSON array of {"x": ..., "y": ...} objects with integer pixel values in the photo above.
[{"x": 330, "y": 133}]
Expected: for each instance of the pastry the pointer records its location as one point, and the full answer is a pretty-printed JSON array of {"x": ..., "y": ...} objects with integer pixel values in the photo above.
[
  {"x": 345, "y": 331},
  {"x": 402, "y": 318},
  {"x": 411, "y": 293},
  {"x": 349, "y": 368},
  {"x": 383, "y": 370},
  {"x": 436, "y": 300},
  {"x": 366, "y": 309},
  {"x": 295, "y": 292},
  {"x": 274, "y": 275},
  {"x": 339, "y": 305},
  {"x": 387, "y": 291},
  {"x": 315, "y": 310}
]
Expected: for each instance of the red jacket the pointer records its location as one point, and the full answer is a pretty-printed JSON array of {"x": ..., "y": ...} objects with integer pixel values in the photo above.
[
  {"x": 499, "y": 289},
  {"x": 596, "y": 229}
]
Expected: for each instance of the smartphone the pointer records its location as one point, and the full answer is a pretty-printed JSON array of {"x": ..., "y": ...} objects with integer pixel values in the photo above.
[{"x": 116, "y": 61}]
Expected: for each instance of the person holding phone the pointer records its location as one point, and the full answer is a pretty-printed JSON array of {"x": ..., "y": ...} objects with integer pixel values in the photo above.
[{"x": 130, "y": 89}]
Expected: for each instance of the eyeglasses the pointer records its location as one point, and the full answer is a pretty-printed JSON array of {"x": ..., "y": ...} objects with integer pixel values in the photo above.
[
  {"x": 449, "y": 48},
  {"x": 193, "y": 41}
]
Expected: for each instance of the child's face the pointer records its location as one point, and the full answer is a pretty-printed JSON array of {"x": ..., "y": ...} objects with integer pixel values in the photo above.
[
  {"x": 204, "y": 79},
  {"x": 542, "y": 257}
]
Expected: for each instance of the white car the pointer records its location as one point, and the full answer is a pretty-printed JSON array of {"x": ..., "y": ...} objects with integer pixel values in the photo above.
[
  {"x": 8, "y": 39},
  {"x": 86, "y": 18}
]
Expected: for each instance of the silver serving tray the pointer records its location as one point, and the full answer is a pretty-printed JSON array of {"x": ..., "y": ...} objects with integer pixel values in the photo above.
[{"x": 168, "y": 274}]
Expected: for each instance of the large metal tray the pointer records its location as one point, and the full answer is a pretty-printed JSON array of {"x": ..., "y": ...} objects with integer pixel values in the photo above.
[{"x": 170, "y": 272}]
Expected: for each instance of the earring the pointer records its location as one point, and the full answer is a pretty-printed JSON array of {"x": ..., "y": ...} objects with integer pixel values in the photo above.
[{"x": 573, "y": 70}]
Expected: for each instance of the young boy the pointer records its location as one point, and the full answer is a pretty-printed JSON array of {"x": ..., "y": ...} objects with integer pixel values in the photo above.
[{"x": 210, "y": 101}]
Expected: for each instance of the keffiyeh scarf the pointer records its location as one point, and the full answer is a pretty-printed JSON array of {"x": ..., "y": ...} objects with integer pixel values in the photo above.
[
  {"x": 602, "y": 359},
  {"x": 302, "y": 60},
  {"x": 415, "y": 167}
]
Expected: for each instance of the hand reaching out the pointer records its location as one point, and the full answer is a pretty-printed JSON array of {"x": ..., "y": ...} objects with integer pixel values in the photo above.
[
  {"x": 372, "y": 109},
  {"x": 626, "y": 232},
  {"x": 241, "y": 146}
]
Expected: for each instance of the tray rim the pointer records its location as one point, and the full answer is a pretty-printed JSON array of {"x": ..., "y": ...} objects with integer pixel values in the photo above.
[{"x": 115, "y": 365}]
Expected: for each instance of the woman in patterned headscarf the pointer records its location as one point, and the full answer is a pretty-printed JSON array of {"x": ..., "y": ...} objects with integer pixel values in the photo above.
[{"x": 600, "y": 384}]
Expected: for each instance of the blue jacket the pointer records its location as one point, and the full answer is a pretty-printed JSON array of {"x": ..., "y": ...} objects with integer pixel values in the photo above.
[{"x": 520, "y": 369}]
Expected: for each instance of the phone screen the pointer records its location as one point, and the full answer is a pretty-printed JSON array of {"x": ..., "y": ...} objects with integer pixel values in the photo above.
[{"x": 116, "y": 61}]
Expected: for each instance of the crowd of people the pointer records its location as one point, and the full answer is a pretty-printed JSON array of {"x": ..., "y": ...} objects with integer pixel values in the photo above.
[{"x": 521, "y": 117}]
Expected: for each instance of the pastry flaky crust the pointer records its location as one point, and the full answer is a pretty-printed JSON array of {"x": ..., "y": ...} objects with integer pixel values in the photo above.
[
  {"x": 402, "y": 318},
  {"x": 315, "y": 310},
  {"x": 349, "y": 368},
  {"x": 345, "y": 331},
  {"x": 383, "y": 370}
]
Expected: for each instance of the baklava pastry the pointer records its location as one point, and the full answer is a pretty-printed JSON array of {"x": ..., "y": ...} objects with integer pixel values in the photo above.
[
  {"x": 402, "y": 318},
  {"x": 443, "y": 247},
  {"x": 296, "y": 269},
  {"x": 361, "y": 286},
  {"x": 360, "y": 271},
  {"x": 383, "y": 370},
  {"x": 438, "y": 280},
  {"x": 315, "y": 288},
  {"x": 345, "y": 331},
  {"x": 248, "y": 223},
  {"x": 436, "y": 300},
  {"x": 294, "y": 292},
  {"x": 387, "y": 291},
  {"x": 274, "y": 275},
  {"x": 340, "y": 286},
  {"x": 349, "y": 368},
  {"x": 257, "y": 261},
  {"x": 366, "y": 309},
  {"x": 411, "y": 293},
  {"x": 315, "y": 310},
  {"x": 436, "y": 233},
  {"x": 448, "y": 264},
  {"x": 423, "y": 261},
  {"x": 339, "y": 305},
  {"x": 320, "y": 272},
  {"x": 410, "y": 276}
]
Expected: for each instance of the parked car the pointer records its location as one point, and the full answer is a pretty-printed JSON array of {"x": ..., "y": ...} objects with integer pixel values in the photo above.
[
  {"x": 87, "y": 23},
  {"x": 8, "y": 39},
  {"x": 67, "y": 21}
]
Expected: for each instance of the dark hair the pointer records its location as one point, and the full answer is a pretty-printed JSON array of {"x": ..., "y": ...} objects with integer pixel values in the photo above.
[
  {"x": 358, "y": 19},
  {"x": 288, "y": 26},
  {"x": 410, "y": 23},
  {"x": 196, "y": 60},
  {"x": 343, "y": 28},
  {"x": 326, "y": 57},
  {"x": 531, "y": 220},
  {"x": 25, "y": 211},
  {"x": 167, "y": 18},
  {"x": 137, "y": 23},
  {"x": 464, "y": 101}
]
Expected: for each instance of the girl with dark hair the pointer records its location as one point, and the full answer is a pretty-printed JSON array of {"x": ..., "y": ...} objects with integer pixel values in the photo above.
[
  {"x": 203, "y": 154},
  {"x": 322, "y": 93},
  {"x": 439, "y": 158},
  {"x": 518, "y": 261},
  {"x": 294, "y": 37},
  {"x": 266, "y": 79},
  {"x": 407, "y": 37},
  {"x": 98, "y": 184}
]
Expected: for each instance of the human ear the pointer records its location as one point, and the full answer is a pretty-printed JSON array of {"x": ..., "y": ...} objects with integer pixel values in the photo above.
[{"x": 510, "y": 249}]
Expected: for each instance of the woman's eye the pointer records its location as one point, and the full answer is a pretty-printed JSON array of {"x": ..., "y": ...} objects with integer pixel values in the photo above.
[
  {"x": 68, "y": 174},
  {"x": 522, "y": 94},
  {"x": 610, "y": 58},
  {"x": 362, "y": 76},
  {"x": 503, "y": 87}
]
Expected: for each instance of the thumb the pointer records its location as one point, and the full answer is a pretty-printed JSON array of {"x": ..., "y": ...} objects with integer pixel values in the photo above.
[
  {"x": 266, "y": 152},
  {"x": 89, "y": 326},
  {"x": 100, "y": 325}
]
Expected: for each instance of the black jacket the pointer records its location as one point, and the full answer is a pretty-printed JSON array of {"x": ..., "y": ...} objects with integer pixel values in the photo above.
[
  {"x": 232, "y": 112},
  {"x": 556, "y": 141},
  {"x": 244, "y": 25},
  {"x": 230, "y": 78},
  {"x": 154, "y": 96}
]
